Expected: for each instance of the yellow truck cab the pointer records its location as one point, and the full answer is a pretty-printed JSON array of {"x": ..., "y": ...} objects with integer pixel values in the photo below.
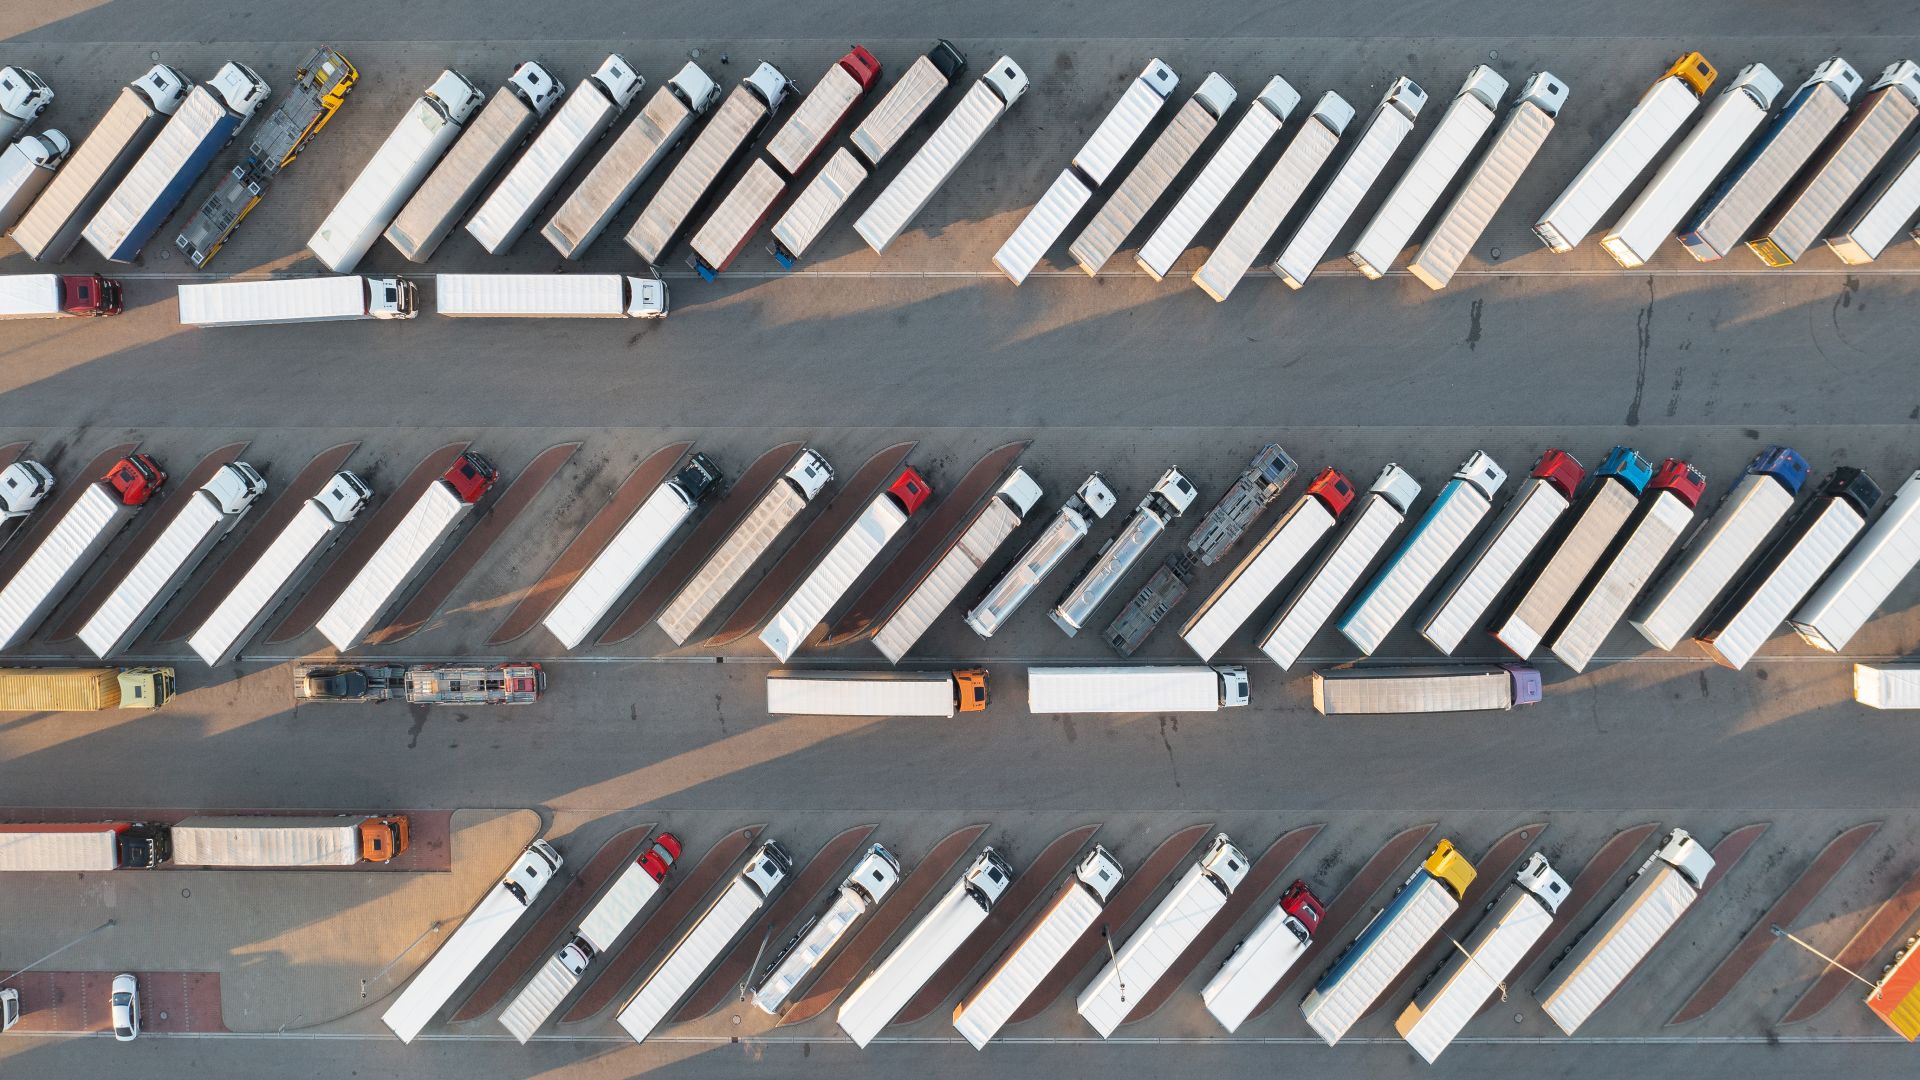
[{"x": 1451, "y": 867}]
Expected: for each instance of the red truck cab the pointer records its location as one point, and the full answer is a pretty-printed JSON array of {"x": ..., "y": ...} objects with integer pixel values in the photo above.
[
  {"x": 135, "y": 478},
  {"x": 660, "y": 857},
  {"x": 1299, "y": 902},
  {"x": 910, "y": 490},
  {"x": 89, "y": 295},
  {"x": 1680, "y": 478},
  {"x": 471, "y": 476},
  {"x": 1332, "y": 489},
  {"x": 1557, "y": 467},
  {"x": 862, "y": 66}
]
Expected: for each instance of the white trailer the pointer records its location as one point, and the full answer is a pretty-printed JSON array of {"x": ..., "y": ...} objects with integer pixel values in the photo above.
[
  {"x": 1249, "y": 138},
  {"x": 1069, "y": 526},
  {"x": 849, "y": 558},
  {"x": 1353, "y": 690},
  {"x": 1366, "y": 159},
  {"x": 929, "y": 169},
  {"x": 1664, "y": 514},
  {"x": 1264, "y": 570},
  {"x": 1169, "y": 497},
  {"x": 208, "y": 516},
  {"x": 480, "y": 153},
  {"x": 342, "y": 298},
  {"x": 871, "y": 880},
  {"x": 630, "y": 160},
  {"x": 1168, "y": 929},
  {"x": 605, "y": 581},
  {"x": 1440, "y": 159},
  {"x": 744, "y": 546},
  {"x": 875, "y": 693},
  {"x": 1887, "y": 686},
  {"x": 75, "y": 541},
  {"x": 1109, "y": 144},
  {"x": 550, "y": 296},
  {"x": 724, "y": 235},
  {"x": 1438, "y": 536},
  {"x": 589, "y": 110},
  {"x": 1803, "y": 123},
  {"x": 1886, "y": 554},
  {"x": 1661, "y": 891},
  {"x": 1791, "y": 568},
  {"x": 1503, "y": 549},
  {"x": 25, "y": 170},
  {"x": 1693, "y": 166},
  {"x": 1655, "y": 119},
  {"x": 719, "y": 144},
  {"x": 265, "y": 842},
  {"x": 1274, "y": 199},
  {"x": 1048, "y": 939},
  {"x": 931, "y": 943},
  {"x": 1153, "y": 174},
  {"x": 1479, "y": 967},
  {"x": 1367, "y": 530},
  {"x": 1005, "y": 509},
  {"x": 723, "y": 921},
  {"x": 394, "y": 173},
  {"x": 81, "y": 848},
  {"x": 427, "y": 993},
  {"x": 1490, "y": 181},
  {"x": 280, "y": 568},
  {"x": 1877, "y": 217},
  {"x": 1136, "y": 688}
]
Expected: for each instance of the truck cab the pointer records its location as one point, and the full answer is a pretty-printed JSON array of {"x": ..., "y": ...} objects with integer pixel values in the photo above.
[
  {"x": 457, "y": 97},
  {"x": 1099, "y": 871},
  {"x": 1332, "y": 489},
  {"x": 970, "y": 689},
  {"x": 1685, "y": 854},
  {"x": 769, "y": 85},
  {"x": 811, "y": 473},
  {"x": 699, "y": 477},
  {"x": 1680, "y": 478},
  {"x": 383, "y": 838},
  {"x": 769, "y": 867},
  {"x": 344, "y": 496},
  {"x": 1225, "y": 863},
  {"x": 1539, "y": 878},
  {"x": 145, "y": 687},
  {"x": 9, "y": 1008},
  {"x": 1176, "y": 489},
  {"x": 987, "y": 878},
  {"x": 660, "y": 857},
  {"x": 695, "y": 89},
  {"x": 471, "y": 476},
  {"x": 621, "y": 82},
  {"x": 1234, "y": 691},
  {"x": 392, "y": 298},
  {"x": 1007, "y": 80},
  {"x": 530, "y": 875},
  {"x": 1451, "y": 867},
  {"x": 910, "y": 491},
  {"x": 24, "y": 485},
  {"x": 1694, "y": 70},
  {"x": 1560, "y": 469},
  {"x": 647, "y": 297},
  {"x": 89, "y": 295},
  {"x": 875, "y": 875},
  {"x": 1304, "y": 907},
  {"x": 575, "y": 955},
  {"x": 535, "y": 86},
  {"x": 1406, "y": 96},
  {"x": 235, "y": 487},
  {"x": 141, "y": 846},
  {"x": 135, "y": 479},
  {"x": 240, "y": 88},
  {"x": 23, "y": 97}
]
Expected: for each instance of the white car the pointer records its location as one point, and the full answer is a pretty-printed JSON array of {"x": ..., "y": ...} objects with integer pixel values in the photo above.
[{"x": 126, "y": 1008}]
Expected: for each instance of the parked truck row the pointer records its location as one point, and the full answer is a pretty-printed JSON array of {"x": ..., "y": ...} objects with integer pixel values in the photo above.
[{"x": 230, "y": 842}]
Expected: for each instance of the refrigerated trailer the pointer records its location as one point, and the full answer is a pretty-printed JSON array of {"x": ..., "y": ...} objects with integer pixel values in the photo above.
[
  {"x": 1031, "y": 958},
  {"x": 1439, "y": 535},
  {"x": 1366, "y": 159},
  {"x": 1887, "y": 686},
  {"x": 342, "y": 298},
  {"x": 1005, "y": 509},
  {"x": 287, "y": 842},
  {"x": 752, "y": 538},
  {"x": 850, "y": 557},
  {"x": 1136, "y": 688},
  {"x": 1274, "y": 199},
  {"x": 1664, "y": 514},
  {"x": 1367, "y": 530},
  {"x": 550, "y": 296},
  {"x": 931, "y": 943},
  {"x": 25, "y": 169},
  {"x": 1878, "y": 217},
  {"x": 1886, "y": 554},
  {"x": 876, "y": 693},
  {"x": 1503, "y": 549},
  {"x": 872, "y": 878},
  {"x": 719, "y": 144},
  {"x": 1249, "y": 138},
  {"x": 1256, "y": 965},
  {"x": 476, "y": 157},
  {"x": 605, "y": 581},
  {"x": 1169, "y": 497},
  {"x": 75, "y": 541},
  {"x": 58, "y": 296},
  {"x": 1378, "y": 691},
  {"x": 1268, "y": 565},
  {"x": 83, "y": 848},
  {"x": 1654, "y": 121},
  {"x": 1431, "y": 172},
  {"x": 1153, "y": 174},
  {"x": 929, "y": 169},
  {"x": 1069, "y": 526}
]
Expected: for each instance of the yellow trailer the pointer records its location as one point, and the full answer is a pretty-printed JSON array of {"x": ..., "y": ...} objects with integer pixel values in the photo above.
[{"x": 84, "y": 689}]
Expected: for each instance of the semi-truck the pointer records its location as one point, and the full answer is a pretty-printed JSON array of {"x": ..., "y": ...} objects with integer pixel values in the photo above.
[
  {"x": 614, "y": 570},
  {"x": 1694, "y": 165},
  {"x": 1339, "y": 568},
  {"x": 550, "y": 296},
  {"x": 1746, "y": 516},
  {"x": 212, "y": 114},
  {"x": 280, "y": 569},
  {"x": 1180, "y": 917},
  {"x": 751, "y": 539},
  {"x": 1155, "y": 600},
  {"x": 337, "y": 298},
  {"x": 1069, "y": 526},
  {"x": 719, "y": 144},
  {"x": 422, "y": 684},
  {"x": 635, "y": 152},
  {"x": 1439, "y": 535},
  {"x": 929, "y": 945},
  {"x": 24, "y": 485},
  {"x": 482, "y": 150},
  {"x": 1529, "y": 611},
  {"x": 1878, "y": 216},
  {"x": 1269, "y": 564},
  {"x": 1441, "y": 157},
  {"x": 580, "y": 121},
  {"x": 1886, "y": 554},
  {"x": 1169, "y": 497},
  {"x": 83, "y": 847},
  {"x": 1790, "y": 569},
  {"x": 1728, "y": 216},
  {"x": 53, "y": 224},
  {"x": 1256, "y": 488},
  {"x": 1137, "y": 688},
  {"x": 876, "y": 693},
  {"x": 1490, "y": 181},
  {"x": 1034, "y": 955},
  {"x": 1309, "y": 149},
  {"x": 1354, "y": 689},
  {"x": 1600, "y": 183},
  {"x": 25, "y": 170},
  {"x": 1366, "y": 159},
  {"x": 897, "y": 112},
  {"x": 1153, "y": 174},
  {"x": 75, "y": 541},
  {"x": 1506, "y": 546},
  {"x": 58, "y": 296},
  {"x": 1602, "y": 958},
  {"x": 871, "y": 879},
  {"x": 996, "y": 521},
  {"x": 1112, "y": 140},
  {"x": 407, "y": 550},
  {"x": 1393, "y": 939},
  {"x": 208, "y": 516},
  {"x": 724, "y": 920},
  {"x": 395, "y": 172},
  {"x": 454, "y": 962},
  {"x": 1887, "y": 686},
  {"x": 1479, "y": 967},
  {"x": 23, "y": 97},
  {"x": 84, "y": 689},
  {"x": 1875, "y": 127},
  {"x": 277, "y": 842},
  {"x": 851, "y": 555},
  {"x": 1258, "y": 126},
  {"x": 1664, "y": 514},
  {"x": 596, "y": 935},
  {"x": 1257, "y": 963},
  {"x": 935, "y": 162}
]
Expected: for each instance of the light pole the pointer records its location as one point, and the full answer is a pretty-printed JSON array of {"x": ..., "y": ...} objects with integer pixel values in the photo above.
[
  {"x": 60, "y": 950},
  {"x": 1119, "y": 977}
]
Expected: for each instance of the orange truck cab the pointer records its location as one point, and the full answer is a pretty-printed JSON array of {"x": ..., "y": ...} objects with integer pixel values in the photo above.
[
  {"x": 970, "y": 689},
  {"x": 383, "y": 838}
]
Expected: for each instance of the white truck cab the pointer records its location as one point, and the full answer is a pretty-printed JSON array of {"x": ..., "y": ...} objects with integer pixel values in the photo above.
[
  {"x": 24, "y": 485},
  {"x": 1235, "y": 690},
  {"x": 9, "y": 1007},
  {"x": 235, "y": 487},
  {"x": 1176, "y": 489},
  {"x": 165, "y": 88},
  {"x": 456, "y": 95},
  {"x": 695, "y": 87},
  {"x": 1685, "y": 854},
  {"x": 769, "y": 868},
  {"x": 1224, "y": 861},
  {"x": 344, "y": 496},
  {"x": 988, "y": 877},
  {"x": 1022, "y": 490},
  {"x": 811, "y": 473},
  {"x": 23, "y": 97},
  {"x": 392, "y": 298},
  {"x": 646, "y": 297},
  {"x": 1007, "y": 80},
  {"x": 767, "y": 82},
  {"x": 537, "y": 86},
  {"x": 620, "y": 80},
  {"x": 240, "y": 88}
]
